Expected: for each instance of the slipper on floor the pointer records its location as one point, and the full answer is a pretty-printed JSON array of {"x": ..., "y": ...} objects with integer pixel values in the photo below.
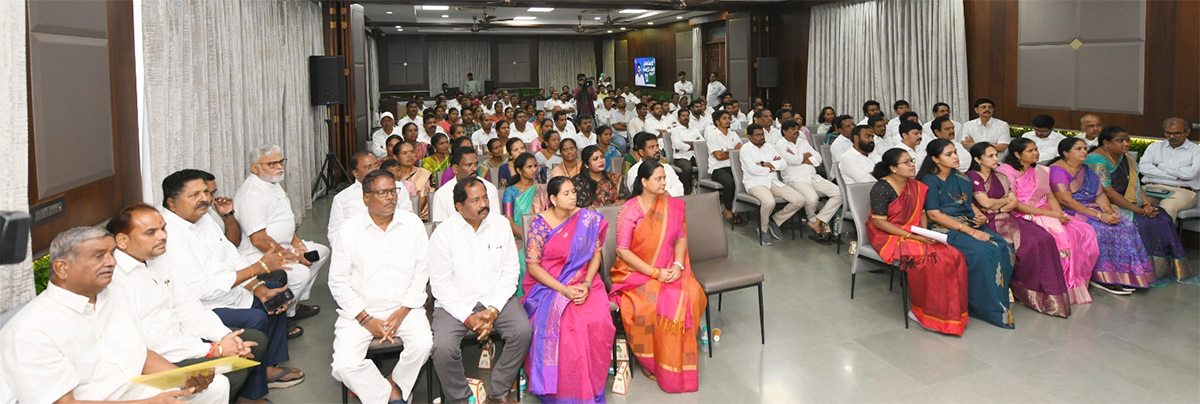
[
  {"x": 820, "y": 239},
  {"x": 277, "y": 382},
  {"x": 295, "y": 332},
  {"x": 304, "y": 311}
]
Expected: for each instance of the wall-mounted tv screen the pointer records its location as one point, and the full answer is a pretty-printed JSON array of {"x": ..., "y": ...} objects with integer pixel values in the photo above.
[{"x": 644, "y": 72}]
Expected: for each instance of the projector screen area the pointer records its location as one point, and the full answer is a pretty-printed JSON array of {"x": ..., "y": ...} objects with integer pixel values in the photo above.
[{"x": 644, "y": 72}]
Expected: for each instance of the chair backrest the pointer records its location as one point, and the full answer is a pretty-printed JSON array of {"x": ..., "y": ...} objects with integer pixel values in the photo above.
[
  {"x": 701, "y": 148},
  {"x": 1133, "y": 155},
  {"x": 827, "y": 160},
  {"x": 429, "y": 227},
  {"x": 416, "y": 203},
  {"x": 706, "y": 227},
  {"x": 664, "y": 144},
  {"x": 858, "y": 197},
  {"x": 614, "y": 164},
  {"x": 437, "y": 177},
  {"x": 526, "y": 220},
  {"x": 735, "y": 163},
  {"x": 494, "y": 176},
  {"x": 608, "y": 256}
]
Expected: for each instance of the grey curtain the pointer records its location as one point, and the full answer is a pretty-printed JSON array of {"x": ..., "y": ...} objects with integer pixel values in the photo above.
[
  {"x": 450, "y": 61},
  {"x": 560, "y": 61},
  {"x": 225, "y": 76},
  {"x": 16, "y": 281},
  {"x": 853, "y": 57},
  {"x": 609, "y": 54},
  {"x": 372, "y": 67}
]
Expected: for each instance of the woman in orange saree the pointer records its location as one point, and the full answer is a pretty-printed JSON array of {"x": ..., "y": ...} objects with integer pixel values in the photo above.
[
  {"x": 937, "y": 273},
  {"x": 660, "y": 299}
]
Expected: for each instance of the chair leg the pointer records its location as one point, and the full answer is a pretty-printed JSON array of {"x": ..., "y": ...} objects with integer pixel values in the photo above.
[
  {"x": 708, "y": 327},
  {"x": 852, "y": 276},
  {"x": 762, "y": 325},
  {"x": 345, "y": 394},
  {"x": 904, "y": 308},
  {"x": 719, "y": 295},
  {"x": 891, "y": 277}
]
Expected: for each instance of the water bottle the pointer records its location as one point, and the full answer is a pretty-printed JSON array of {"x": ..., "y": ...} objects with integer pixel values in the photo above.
[
  {"x": 704, "y": 338},
  {"x": 523, "y": 383},
  {"x": 471, "y": 400}
]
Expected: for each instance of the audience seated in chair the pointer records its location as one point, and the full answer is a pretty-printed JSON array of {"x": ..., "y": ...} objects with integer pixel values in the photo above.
[
  {"x": 760, "y": 164},
  {"x": 1172, "y": 167},
  {"x": 986, "y": 128},
  {"x": 1045, "y": 137},
  {"x": 800, "y": 173},
  {"x": 348, "y": 203},
  {"x": 465, "y": 164},
  {"x": 645, "y": 147},
  {"x": 720, "y": 142},
  {"x": 855, "y": 164}
]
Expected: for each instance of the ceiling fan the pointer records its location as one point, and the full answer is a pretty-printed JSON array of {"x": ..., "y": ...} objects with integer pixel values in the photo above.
[{"x": 580, "y": 29}]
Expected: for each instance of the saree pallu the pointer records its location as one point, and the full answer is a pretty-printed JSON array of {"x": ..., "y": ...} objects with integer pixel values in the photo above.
[
  {"x": 1037, "y": 281},
  {"x": 661, "y": 319},
  {"x": 1075, "y": 239},
  {"x": 937, "y": 273},
  {"x": 989, "y": 263},
  {"x": 569, "y": 358},
  {"x": 1122, "y": 258},
  {"x": 432, "y": 165},
  {"x": 519, "y": 203},
  {"x": 1162, "y": 243}
]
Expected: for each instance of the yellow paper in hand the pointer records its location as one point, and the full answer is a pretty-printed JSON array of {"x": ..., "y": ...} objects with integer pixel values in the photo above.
[{"x": 176, "y": 378}]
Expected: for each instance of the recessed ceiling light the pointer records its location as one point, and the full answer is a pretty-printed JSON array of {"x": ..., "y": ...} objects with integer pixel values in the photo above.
[
  {"x": 597, "y": 18},
  {"x": 400, "y": 29},
  {"x": 435, "y": 8},
  {"x": 541, "y": 9},
  {"x": 524, "y": 18},
  {"x": 651, "y": 23},
  {"x": 389, "y": 13},
  {"x": 622, "y": 28},
  {"x": 397, "y": 27},
  {"x": 610, "y": 31},
  {"x": 679, "y": 17},
  {"x": 445, "y": 16},
  {"x": 649, "y": 14},
  {"x": 632, "y": 11}
]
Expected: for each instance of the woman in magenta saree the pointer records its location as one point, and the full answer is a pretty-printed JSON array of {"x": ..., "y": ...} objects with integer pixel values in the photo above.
[
  {"x": 1123, "y": 260},
  {"x": 1037, "y": 280},
  {"x": 1075, "y": 240},
  {"x": 566, "y": 302}
]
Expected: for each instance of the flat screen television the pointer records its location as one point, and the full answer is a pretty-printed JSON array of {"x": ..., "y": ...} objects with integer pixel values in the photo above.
[{"x": 644, "y": 72}]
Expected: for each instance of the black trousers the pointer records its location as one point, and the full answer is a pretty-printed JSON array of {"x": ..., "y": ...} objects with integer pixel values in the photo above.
[
  {"x": 686, "y": 176},
  {"x": 725, "y": 177}
]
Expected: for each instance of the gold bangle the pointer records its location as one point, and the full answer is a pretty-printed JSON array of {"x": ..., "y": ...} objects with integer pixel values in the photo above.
[
  {"x": 655, "y": 274},
  {"x": 264, "y": 267}
]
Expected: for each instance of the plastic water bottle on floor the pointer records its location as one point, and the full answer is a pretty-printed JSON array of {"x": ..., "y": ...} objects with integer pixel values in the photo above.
[
  {"x": 523, "y": 383},
  {"x": 703, "y": 338}
]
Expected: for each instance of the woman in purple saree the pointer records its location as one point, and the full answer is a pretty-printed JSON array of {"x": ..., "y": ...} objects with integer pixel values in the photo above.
[{"x": 566, "y": 302}]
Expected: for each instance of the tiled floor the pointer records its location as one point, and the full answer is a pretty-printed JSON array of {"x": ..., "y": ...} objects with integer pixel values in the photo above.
[{"x": 824, "y": 347}]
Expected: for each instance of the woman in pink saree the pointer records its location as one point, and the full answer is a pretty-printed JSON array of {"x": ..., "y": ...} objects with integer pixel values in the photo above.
[
  {"x": 566, "y": 302},
  {"x": 1075, "y": 239}
]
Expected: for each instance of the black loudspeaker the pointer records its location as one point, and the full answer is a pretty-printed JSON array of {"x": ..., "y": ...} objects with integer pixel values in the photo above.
[
  {"x": 14, "y": 237},
  {"x": 488, "y": 86},
  {"x": 767, "y": 74},
  {"x": 327, "y": 79}
]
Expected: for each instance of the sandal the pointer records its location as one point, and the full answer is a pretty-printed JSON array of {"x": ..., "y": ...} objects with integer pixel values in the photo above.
[
  {"x": 295, "y": 332},
  {"x": 304, "y": 311},
  {"x": 822, "y": 239},
  {"x": 278, "y": 382},
  {"x": 738, "y": 221}
]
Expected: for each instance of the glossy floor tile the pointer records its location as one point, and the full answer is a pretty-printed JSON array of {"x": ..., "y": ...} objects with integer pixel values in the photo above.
[{"x": 823, "y": 347}]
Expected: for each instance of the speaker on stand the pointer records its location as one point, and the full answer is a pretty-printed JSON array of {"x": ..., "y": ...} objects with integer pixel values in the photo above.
[
  {"x": 327, "y": 86},
  {"x": 766, "y": 75}
]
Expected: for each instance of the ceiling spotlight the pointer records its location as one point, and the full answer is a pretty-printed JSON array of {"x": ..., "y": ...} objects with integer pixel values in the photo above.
[
  {"x": 541, "y": 9},
  {"x": 622, "y": 28},
  {"x": 524, "y": 18},
  {"x": 397, "y": 27},
  {"x": 400, "y": 29},
  {"x": 679, "y": 17},
  {"x": 632, "y": 11},
  {"x": 389, "y": 13},
  {"x": 445, "y": 16},
  {"x": 610, "y": 31},
  {"x": 435, "y": 8}
]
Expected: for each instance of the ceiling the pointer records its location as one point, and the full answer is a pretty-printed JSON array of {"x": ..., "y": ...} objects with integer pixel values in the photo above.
[{"x": 553, "y": 17}]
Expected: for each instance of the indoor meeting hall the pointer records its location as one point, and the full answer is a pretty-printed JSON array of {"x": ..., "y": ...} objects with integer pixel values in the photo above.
[{"x": 547, "y": 201}]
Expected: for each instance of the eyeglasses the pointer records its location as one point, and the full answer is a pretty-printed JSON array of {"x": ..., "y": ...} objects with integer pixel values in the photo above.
[
  {"x": 384, "y": 192},
  {"x": 1173, "y": 134},
  {"x": 275, "y": 164},
  {"x": 909, "y": 162}
]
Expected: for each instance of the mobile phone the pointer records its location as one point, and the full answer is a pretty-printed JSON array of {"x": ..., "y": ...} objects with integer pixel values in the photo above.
[
  {"x": 273, "y": 304},
  {"x": 312, "y": 256}
]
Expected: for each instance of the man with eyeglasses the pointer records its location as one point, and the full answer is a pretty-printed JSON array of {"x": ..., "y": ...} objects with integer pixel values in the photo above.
[
  {"x": 1171, "y": 169},
  {"x": 380, "y": 290},
  {"x": 263, "y": 209},
  {"x": 349, "y": 203}
]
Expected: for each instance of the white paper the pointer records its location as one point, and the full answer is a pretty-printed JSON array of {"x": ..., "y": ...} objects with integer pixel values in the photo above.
[{"x": 940, "y": 237}]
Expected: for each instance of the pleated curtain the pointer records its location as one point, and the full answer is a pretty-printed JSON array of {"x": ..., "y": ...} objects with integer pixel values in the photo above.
[
  {"x": 560, "y": 61},
  {"x": 608, "y": 57},
  {"x": 450, "y": 61},
  {"x": 887, "y": 50},
  {"x": 16, "y": 281},
  {"x": 223, "y": 77},
  {"x": 372, "y": 69}
]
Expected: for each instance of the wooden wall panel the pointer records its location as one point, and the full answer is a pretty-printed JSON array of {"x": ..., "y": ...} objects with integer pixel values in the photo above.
[
  {"x": 658, "y": 43},
  {"x": 787, "y": 40},
  {"x": 416, "y": 52},
  {"x": 1172, "y": 66}
]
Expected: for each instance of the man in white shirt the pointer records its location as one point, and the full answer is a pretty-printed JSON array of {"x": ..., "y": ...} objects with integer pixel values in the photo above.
[
  {"x": 268, "y": 224},
  {"x": 735, "y": 123},
  {"x": 700, "y": 119},
  {"x": 221, "y": 211},
  {"x": 683, "y": 87},
  {"x": 411, "y": 115},
  {"x": 845, "y": 140},
  {"x": 563, "y": 126},
  {"x": 870, "y": 109},
  {"x": 78, "y": 340},
  {"x": 715, "y": 90},
  {"x": 472, "y": 86},
  {"x": 377, "y": 277},
  {"x": 946, "y": 131},
  {"x": 486, "y": 132},
  {"x": 645, "y": 146},
  {"x": 800, "y": 173},
  {"x": 1091, "y": 126},
  {"x": 348, "y": 203},
  {"x": 738, "y": 115},
  {"x": 584, "y": 137},
  {"x": 379, "y": 138},
  {"x": 473, "y": 273},
  {"x": 764, "y": 118},
  {"x": 941, "y": 109},
  {"x": 683, "y": 139},
  {"x": 604, "y": 113},
  {"x": 464, "y": 163},
  {"x": 910, "y": 141},
  {"x": 986, "y": 128},
  {"x": 760, "y": 162},
  {"x": 892, "y": 131},
  {"x": 637, "y": 123},
  {"x": 618, "y": 120},
  {"x": 521, "y": 129},
  {"x": 1173, "y": 165},
  {"x": 657, "y": 123},
  {"x": 1045, "y": 137},
  {"x": 855, "y": 165},
  {"x": 428, "y": 128},
  {"x": 878, "y": 126},
  {"x": 721, "y": 141},
  {"x": 171, "y": 317},
  {"x": 222, "y": 279},
  {"x": 629, "y": 97}
]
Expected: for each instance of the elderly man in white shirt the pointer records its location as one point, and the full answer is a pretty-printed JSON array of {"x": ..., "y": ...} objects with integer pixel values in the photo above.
[
  {"x": 715, "y": 90},
  {"x": 222, "y": 279},
  {"x": 683, "y": 87},
  {"x": 645, "y": 146},
  {"x": 79, "y": 340},
  {"x": 349, "y": 202},
  {"x": 380, "y": 292},
  {"x": 1173, "y": 165},
  {"x": 464, "y": 163},
  {"x": 986, "y": 128},
  {"x": 801, "y": 174},
  {"x": 1091, "y": 126},
  {"x": 946, "y": 131},
  {"x": 172, "y": 319},
  {"x": 268, "y": 224},
  {"x": 1045, "y": 137},
  {"x": 473, "y": 273},
  {"x": 855, "y": 164},
  {"x": 760, "y": 164}
]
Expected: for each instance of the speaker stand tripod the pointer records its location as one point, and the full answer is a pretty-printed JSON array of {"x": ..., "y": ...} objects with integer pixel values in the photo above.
[{"x": 329, "y": 168}]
